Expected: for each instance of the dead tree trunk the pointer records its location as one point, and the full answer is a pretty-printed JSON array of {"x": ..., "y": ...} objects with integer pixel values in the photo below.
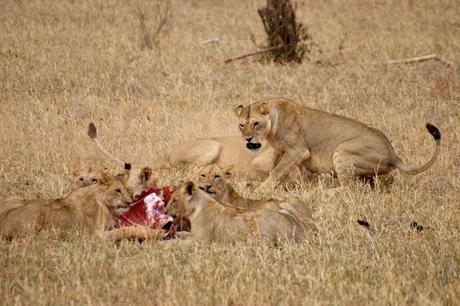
[{"x": 286, "y": 36}]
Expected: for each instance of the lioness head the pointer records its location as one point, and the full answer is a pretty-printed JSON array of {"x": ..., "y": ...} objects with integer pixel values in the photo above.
[
  {"x": 213, "y": 179},
  {"x": 254, "y": 123},
  {"x": 115, "y": 196}
]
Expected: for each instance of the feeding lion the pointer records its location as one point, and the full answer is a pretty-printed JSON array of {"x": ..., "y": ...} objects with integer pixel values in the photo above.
[
  {"x": 212, "y": 221},
  {"x": 321, "y": 142},
  {"x": 90, "y": 208}
]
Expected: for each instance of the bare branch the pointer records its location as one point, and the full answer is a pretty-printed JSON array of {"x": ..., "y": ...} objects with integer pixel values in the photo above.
[
  {"x": 417, "y": 59},
  {"x": 252, "y": 54}
]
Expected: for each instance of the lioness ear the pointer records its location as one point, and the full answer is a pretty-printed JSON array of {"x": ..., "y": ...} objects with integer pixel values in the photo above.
[
  {"x": 263, "y": 108},
  {"x": 228, "y": 171},
  {"x": 238, "y": 110},
  {"x": 146, "y": 173},
  {"x": 104, "y": 178},
  {"x": 189, "y": 187}
]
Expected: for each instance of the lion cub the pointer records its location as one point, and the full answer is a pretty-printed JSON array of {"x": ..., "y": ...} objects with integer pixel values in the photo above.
[
  {"x": 212, "y": 221},
  {"x": 136, "y": 180},
  {"x": 214, "y": 181},
  {"x": 86, "y": 176},
  {"x": 90, "y": 208}
]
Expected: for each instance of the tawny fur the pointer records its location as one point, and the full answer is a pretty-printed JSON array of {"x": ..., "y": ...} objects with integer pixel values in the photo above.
[
  {"x": 322, "y": 142},
  {"x": 86, "y": 176},
  {"x": 214, "y": 181},
  {"x": 226, "y": 150},
  {"x": 91, "y": 208},
  {"x": 212, "y": 221},
  {"x": 138, "y": 233}
]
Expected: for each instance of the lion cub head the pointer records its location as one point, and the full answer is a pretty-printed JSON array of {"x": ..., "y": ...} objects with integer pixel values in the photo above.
[
  {"x": 113, "y": 193},
  {"x": 139, "y": 180},
  {"x": 85, "y": 176},
  {"x": 254, "y": 123},
  {"x": 183, "y": 202},
  {"x": 213, "y": 180}
]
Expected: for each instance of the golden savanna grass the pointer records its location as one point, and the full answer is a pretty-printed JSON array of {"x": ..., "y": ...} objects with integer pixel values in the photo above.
[{"x": 66, "y": 63}]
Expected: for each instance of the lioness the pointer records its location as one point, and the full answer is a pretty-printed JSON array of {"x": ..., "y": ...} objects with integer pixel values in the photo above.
[
  {"x": 226, "y": 150},
  {"x": 91, "y": 208},
  {"x": 321, "y": 142},
  {"x": 212, "y": 221}
]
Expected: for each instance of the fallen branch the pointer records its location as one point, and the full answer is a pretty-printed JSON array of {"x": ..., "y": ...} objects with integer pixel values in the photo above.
[
  {"x": 210, "y": 41},
  {"x": 417, "y": 59},
  {"x": 253, "y": 53}
]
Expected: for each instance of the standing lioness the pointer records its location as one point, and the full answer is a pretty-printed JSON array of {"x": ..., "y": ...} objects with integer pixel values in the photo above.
[{"x": 321, "y": 142}]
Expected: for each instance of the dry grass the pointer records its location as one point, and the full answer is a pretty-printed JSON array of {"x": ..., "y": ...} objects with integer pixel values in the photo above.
[{"x": 63, "y": 64}]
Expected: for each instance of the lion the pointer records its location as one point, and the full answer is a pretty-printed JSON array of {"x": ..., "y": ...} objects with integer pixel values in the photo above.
[
  {"x": 86, "y": 176},
  {"x": 137, "y": 180},
  {"x": 211, "y": 221},
  {"x": 255, "y": 163},
  {"x": 225, "y": 150},
  {"x": 214, "y": 181},
  {"x": 91, "y": 208},
  {"x": 322, "y": 142}
]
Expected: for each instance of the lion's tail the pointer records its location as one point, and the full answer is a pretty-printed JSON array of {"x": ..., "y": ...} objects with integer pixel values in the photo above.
[
  {"x": 398, "y": 163},
  {"x": 138, "y": 233},
  {"x": 92, "y": 133}
]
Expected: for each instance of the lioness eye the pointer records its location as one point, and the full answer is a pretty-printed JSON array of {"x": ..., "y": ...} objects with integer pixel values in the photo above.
[
  {"x": 241, "y": 126},
  {"x": 217, "y": 176},
  {"x": 203, "y": 175},
  {"x": 118, "y": 190},
  {"x": 81, "y": 179},
  {"x": 93, "y": 181},
  {"x": 256, "y": 123}
]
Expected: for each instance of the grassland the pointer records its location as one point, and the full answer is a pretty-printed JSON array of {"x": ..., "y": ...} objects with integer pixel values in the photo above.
[{"x": 66, "y": 63}]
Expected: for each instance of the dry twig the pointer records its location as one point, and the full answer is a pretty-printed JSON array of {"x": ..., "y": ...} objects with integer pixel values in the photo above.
[
  {"x": 149, "y": 40},
  {"x": 210, "y": 41},
  {"x": 417, "y": 59},
  {"x": 252, "y": 54}
]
